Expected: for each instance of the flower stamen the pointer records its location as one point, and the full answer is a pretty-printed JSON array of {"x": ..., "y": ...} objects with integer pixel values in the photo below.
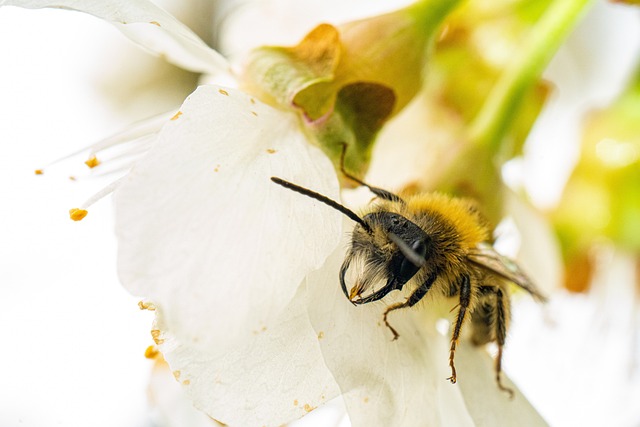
[
  {"x": 78, "y": 214},
  {"x": 132, "y": 141}
]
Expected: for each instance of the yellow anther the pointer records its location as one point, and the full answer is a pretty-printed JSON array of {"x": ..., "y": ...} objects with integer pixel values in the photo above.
[
  {"x": 151, "y": 352},
  {"x": 77, "y": 214},
  {"x": 92, "y": 162}
]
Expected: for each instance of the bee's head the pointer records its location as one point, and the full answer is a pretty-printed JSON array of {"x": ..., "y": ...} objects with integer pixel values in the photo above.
[
  {"x": 384, "y": 256},
  {"x": 385, "y": 247}
]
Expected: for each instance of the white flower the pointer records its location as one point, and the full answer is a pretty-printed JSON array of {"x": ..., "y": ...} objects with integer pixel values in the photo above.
[
  {"x": 221, "y": 251},
  {"x": 243, "y": 274}
]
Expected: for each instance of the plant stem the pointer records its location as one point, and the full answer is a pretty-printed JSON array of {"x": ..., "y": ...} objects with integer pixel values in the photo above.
[{"x": 492, "y": 122}]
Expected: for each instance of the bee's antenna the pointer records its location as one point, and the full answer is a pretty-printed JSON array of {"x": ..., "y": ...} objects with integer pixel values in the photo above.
[
  {"x": 383, "y": 194},
  {"x": 324, "y": 199}
]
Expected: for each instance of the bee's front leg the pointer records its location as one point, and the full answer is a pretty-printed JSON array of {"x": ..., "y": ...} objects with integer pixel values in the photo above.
[{"x": 413, "y": 299}]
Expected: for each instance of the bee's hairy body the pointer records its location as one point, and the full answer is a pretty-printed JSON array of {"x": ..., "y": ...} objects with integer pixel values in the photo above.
[
  {"x": 454, "y": 228},
  {"x": 433, "y": 244}
]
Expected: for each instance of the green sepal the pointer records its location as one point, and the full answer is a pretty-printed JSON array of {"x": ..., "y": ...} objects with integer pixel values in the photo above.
[{"x": 347, "y": 81}]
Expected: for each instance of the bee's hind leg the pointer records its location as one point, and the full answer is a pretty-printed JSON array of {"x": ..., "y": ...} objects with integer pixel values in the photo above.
[
  {"x": 489, "y": 320},
  {"x": 501, "y": 333}
]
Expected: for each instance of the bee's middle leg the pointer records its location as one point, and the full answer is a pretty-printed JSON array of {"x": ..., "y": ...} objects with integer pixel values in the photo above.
[{"x": 465, "y": 299}]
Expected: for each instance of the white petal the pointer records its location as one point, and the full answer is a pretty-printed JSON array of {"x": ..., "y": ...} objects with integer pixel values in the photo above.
[
  {"x": 148, "y": 25},
  {"x": 169, "y": 406},
  {"x": 403, "y": 382},
  {"x": 487, "y": 405},
  {"x": 206, "y": 235},
  {"x": 383, "y": 382},
  {"x": 539, "y": 254},
  {"x": 275, "y": 378}
]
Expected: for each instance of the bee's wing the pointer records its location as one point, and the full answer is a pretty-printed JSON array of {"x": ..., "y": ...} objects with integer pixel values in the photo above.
[{"x": 486, "y": 257}]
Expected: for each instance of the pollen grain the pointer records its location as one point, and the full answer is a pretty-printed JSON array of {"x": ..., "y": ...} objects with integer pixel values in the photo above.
[
  {"x": 177, "y": 115},
  {"x": 223, "y": 92},
  {"x": 155, "y": 334},
  {"x": 146, "y": 305}
]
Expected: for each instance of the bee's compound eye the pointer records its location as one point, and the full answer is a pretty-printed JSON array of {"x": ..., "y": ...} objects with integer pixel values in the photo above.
[
  {"x": 420, "y": 247},
  {"x": 395, "y": 220}
]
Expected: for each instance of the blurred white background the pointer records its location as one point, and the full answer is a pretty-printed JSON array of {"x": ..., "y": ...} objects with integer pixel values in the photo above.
[{"x": 73, "y": 341}]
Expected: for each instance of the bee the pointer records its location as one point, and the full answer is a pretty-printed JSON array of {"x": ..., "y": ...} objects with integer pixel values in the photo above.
[{"x": 439, "y": 244}]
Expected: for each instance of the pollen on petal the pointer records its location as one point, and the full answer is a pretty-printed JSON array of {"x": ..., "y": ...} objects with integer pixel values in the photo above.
[
  {"x": 308, "y": 407},
  {"x": 144, "y": 305},
  {"x": 77, "y": 214},
  {"x": 155, "y": 23},
  {"x": 271, "y": 151},
  {"x": 177, "y": 115},
  {"x": 92, "y": 162},
  {"x": 355, "y": 291},
  {"x": 223, "y": 92},
  {"x": 155, "y": 334},
  {"x": 39, "y": 172}
]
